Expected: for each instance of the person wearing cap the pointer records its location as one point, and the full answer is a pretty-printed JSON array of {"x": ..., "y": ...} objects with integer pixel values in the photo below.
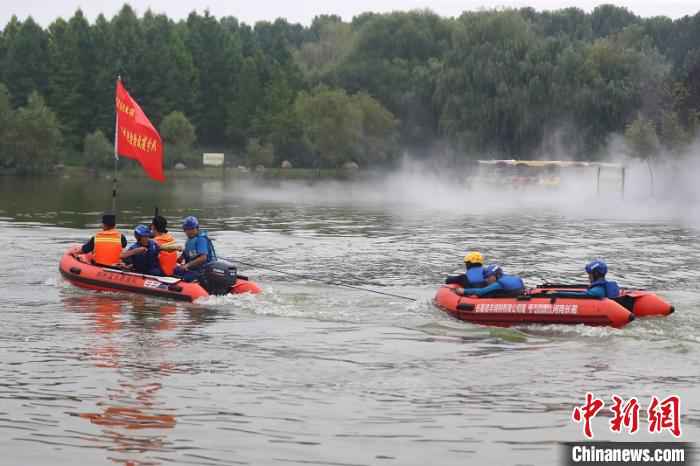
[
  {"x": 599, "y": 287},
  {"x": 474, "y": 275},
  {"x": 498, "y": 284},
  {"x": 106, "y": 246},
  {"x": 168, "y": 247},
  {"x": 142, "y": 256},
  {"x": 198, "y": 251}
]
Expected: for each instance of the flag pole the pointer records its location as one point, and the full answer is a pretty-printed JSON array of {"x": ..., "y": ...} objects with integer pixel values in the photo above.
[{"x": 116, "y": 156}]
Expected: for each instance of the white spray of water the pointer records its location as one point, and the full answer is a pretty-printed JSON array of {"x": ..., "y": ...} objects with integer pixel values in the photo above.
[{"x": 419, "y": 187}]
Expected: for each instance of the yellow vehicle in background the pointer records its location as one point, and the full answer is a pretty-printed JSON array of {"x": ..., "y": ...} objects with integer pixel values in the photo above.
[{"x": 549, "y": 174}]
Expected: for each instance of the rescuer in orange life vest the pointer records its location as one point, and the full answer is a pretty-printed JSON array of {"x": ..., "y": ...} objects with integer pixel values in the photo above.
[
  {"x": 168, "y": 247},
  {"x": 106, "y": 246}
]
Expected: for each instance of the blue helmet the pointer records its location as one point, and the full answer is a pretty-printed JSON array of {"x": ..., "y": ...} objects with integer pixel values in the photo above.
[
  {"x": 190, "y": 223},
  {"x": 142, "y": 230},
  {"x": 493, "y": 269},
  {"x": 597, "y": 266}
]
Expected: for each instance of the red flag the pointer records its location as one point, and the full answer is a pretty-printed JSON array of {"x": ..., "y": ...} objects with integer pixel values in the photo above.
[{"x": 136, "y": 137}]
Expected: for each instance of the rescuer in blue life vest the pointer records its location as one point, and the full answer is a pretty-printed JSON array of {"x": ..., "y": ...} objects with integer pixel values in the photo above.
[
  {"x": 474, "y": 275},
  {"x": 143, "y": 254},
  {"x": 498, "y": 284},
  {"x": 198, "y": 252},
  {"x": 599, "y": 287}
]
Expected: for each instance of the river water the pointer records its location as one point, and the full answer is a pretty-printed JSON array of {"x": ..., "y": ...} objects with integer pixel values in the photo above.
[{"x": 313, "y": 374}]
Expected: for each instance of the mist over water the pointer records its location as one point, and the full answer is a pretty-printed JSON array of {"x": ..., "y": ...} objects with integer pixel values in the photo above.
[
  {"x": 422, "y": 187},
  {"x": 312, "y": 373}
]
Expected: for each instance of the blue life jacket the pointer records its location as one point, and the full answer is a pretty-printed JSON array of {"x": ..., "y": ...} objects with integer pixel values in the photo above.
[
  {"x": 146, "y": 262},
  {"x": 475, "y": 277},
  {"x": 511, "y": 282},
  {"x": 191, "y": 251},
  {"x": 612, "y": 290}
]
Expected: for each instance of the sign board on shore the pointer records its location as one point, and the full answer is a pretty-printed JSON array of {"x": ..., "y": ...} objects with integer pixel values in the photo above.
[{"x": 212, "y": 159}]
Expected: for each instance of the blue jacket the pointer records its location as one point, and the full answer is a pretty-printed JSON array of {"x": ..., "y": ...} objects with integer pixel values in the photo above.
[
  {"x": 608, "y": 289},
  {"x": 509, "y": 283},
  {"x": 195, "y": 247},
  {"x": 598, "y": 289},
  {"x": 146, "y": 262},
  {"x": 474, "y": 278}
]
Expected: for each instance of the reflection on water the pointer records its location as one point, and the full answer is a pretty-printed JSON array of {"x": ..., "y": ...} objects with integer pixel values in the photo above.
[
  {"x": 133, "y": 404},
  {"x": 310, "y": 374}
]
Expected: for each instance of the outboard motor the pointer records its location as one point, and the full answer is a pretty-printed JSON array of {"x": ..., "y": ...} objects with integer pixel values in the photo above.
[{"x": 218, "y": 277}]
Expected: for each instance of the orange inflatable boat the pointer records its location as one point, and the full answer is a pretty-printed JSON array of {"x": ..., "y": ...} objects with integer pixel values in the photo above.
[
  {"x": 533, "y": 308},
  {"x": 79, "y": 270},
  {"x": 641, "y": 303}
]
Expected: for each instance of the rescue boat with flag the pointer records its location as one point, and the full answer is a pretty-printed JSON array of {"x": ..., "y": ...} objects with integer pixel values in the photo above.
[
  {"x": 220, "y": 278},
  {"x": 532, "y": 308},
  {"x": 641, "y": 303}
]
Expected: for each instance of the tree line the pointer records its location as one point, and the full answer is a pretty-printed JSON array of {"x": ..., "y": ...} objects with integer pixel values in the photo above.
[{"x": 501, "y": 83}]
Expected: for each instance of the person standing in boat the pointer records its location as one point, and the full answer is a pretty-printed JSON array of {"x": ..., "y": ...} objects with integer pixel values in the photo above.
[
  {"x": 106, "y": 246},
  {"x": 474, "y": 275},
  {"x": 498, "y": 284},
  {"x": 198, "y": 252},
  {"x": 142, "y": 256},
  {"x": 599, "y": 287},
  {"x": 168, "y": 247}
]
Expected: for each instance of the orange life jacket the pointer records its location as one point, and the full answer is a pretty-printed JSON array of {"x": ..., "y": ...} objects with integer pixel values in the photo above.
[
  {"x": 167, "y": 259},
  {"x": 108, "y": 247}
]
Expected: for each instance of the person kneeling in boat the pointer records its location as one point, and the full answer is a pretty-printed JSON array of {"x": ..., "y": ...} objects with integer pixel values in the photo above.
[
  {"x": 106, "y": 245},
  {"x": 198, "y": 251},
  {"x": 599, "y": 287},
  {"x": 168, "y": 247},
  {"x": 142, "y": 256},
  {"x": 474, "y": 276},
  {"x": 498, "y": 284}
]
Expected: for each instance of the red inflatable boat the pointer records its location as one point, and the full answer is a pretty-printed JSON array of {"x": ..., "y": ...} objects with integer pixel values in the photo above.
[
  {"x": 640, "y": 302},
  {"x": 533, "y": 308},
  {"x": 79, "y": 270}
]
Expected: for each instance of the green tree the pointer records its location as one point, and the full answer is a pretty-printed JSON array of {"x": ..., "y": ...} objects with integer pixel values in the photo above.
[
  {"x": 494, "y": 91},
  {"x": 322, "y": 56},
  {"x": 26, "y": 67},
  {"x": 260, "y": 154},
  {"x": 6, "y": 126},
  {"x": 606, "y": 93},
  {"x": 36, "y": 136},
  {"x": 275, "y": 120},
  {"x": 672, "y": 136},
  {"x": 127, "y": 47},
  {"x": 340, "y": 128},
  {"x": 378, "y": 140},
  {"x": 643, "y": 143},
  {"x": 168, "y": 66},
  {"x": 105, "y": 75},
  {"x": 610, "y": 19},
  {"x": 249, "y": 94},
  {"x": 178, "y": 137},
  {"x": 396, "y": 58},
  {"x": 66, "y": 82},
  {"x": 98, "y": 152},
  {"x": 330, "y": 123},
  {"x": 216, "y": 53}
]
